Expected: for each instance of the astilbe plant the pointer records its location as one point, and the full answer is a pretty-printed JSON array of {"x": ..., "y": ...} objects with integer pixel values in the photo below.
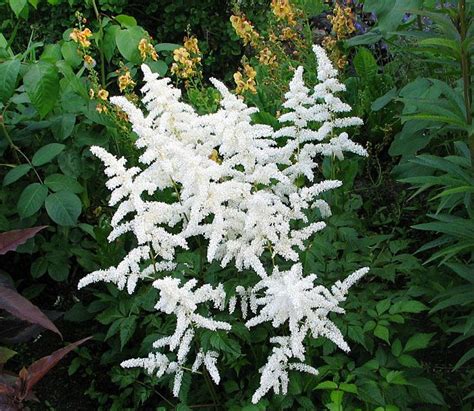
[{"x": 236, "y": 186}]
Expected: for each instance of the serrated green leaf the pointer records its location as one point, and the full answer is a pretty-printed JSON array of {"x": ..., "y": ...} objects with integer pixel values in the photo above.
[
  {"x": 382, "y": 332},
  {"x": 41, "y": 83},
  {"x": 63, "y": 208},
  {"x": 418, "y": 342},
  {"x": 8, "y": 75},
  {"x": 31, "y": 199}
]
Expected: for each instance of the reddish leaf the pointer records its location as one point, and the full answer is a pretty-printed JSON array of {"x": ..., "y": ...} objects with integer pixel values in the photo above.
[
  {"x": 23, "y": 309},
  {"x": 10, "y": 240},
  {"x": 38, "y": 369},
  {"x": 6, "y": 389}
]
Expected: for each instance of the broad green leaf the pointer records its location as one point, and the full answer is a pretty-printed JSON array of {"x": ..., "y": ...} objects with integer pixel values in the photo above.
[
  {"x": 58, "y": 271},
  {"x": 408, "y": 361},
  {"x": 63, "y": 125},
  {"x": 63, "y": 207},
  {"x": 70, "y": 53},
  {"x": 60, "y": 182},
  {"x": 127, "y": 42},
  {"x": 8, "y": 74},
  {"x": 352, "y": 388},
  {"x": 46, "y": 153},
  {"x": 17, "y": 6},
  {"x": 159, "y": 67},
  {"x": 382, "y": 332},
  {"x": 166, "y": 47},
  {"x": 16, "y": 173},
  {"x": 51, "y": 53},
  {"x": 31, "y": 199},
  {"x": 42, "y": 86},
  {"x": 126, "y": 21},
  {"x": 109, "y": 45},
  {"x": 418, "y": 342}
]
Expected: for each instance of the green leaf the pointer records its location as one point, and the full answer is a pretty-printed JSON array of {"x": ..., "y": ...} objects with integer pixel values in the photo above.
[
  {"x": 58, "y": 271},
  {"x": 63, "y": 207},
  {"x": 352, "y": 388},
  {"x": 31, "y": 199},
  {"x": 127, "y": 328},
  {"x": 127, "y": 43},
  {"x": 126, "y": 21},
  {"x": 326, "y": 385},
  {"x": 365, "y": 65},
  {"x": 6, "y": 354},
  {"x": 109, "y": 45},
  {"x": 396, "y": 348},
  {"x": 17, "y": 6},
  {"x": 60, "y": 182},
  {"x": 70, "y": 53},
  {"x": 410, "y": 306},
  {"x": 8, "y": 74},
  {"x": 51, "y": 53},
  {"x": 46, "y": 153},
  {"x": 382, "y": 306},
  {"x": 469, "y": 355},
  {"x": 42, "y": 86},
  {"x": 427, "y": 390},
  {"x": 63, "y": 125},
  {"x": 159, "y": 67},
  {"x": 418, "y": 342},
  {"x": 16, "y": 173},
  {"x": 408, "y": 361},
  {"x": 167, "y": 47},
  {"x": 382, "y": 332},
  {"x": 395, "y": 377}
]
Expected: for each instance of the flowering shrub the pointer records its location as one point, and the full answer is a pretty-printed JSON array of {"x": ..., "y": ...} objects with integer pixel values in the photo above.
[{"x": 237, "y": 185}]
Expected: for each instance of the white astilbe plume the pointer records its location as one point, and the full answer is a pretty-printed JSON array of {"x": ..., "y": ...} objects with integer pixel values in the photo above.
[
  {"x": 235, "y": 184},
  {"x": 289, "y": 297},
  {"x": 274, "y": 374}
]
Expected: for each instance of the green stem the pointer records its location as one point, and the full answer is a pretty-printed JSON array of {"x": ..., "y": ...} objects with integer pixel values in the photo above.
[
  {"x": 100, "y": 44},
  {"x": 16, "y": 148}
]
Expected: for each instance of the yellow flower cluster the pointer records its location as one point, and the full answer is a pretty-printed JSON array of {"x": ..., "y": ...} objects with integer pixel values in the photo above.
[
  {"x": 187, "y": 59},
  {"x": 266, "y": 57},
  {"x": 147, "y": 50},
  {"x": 342, "y": 21},
  {"x": 81, "y": 37},
  {"x": 89, "y": 61},
  {"x": 246, "y": 81},
  {"x": 283, "y": 11},
  {"x": 125, "y": 81},
  {"x": 244, "y": 30}
]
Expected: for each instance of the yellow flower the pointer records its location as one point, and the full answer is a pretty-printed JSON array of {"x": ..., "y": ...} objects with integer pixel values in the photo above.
[
  {"x": 246, "y": 83},
  {"x": 181, "y": 55},
  {"x": 81, "y": 37},
  {"x": 244, "y": 30},
  {"x": 146, "y": 49},
  {"x": 288, "y": 34},
  {"x": 283, "y": 11},
  {"x": 103, "y": 94},
  {"x": 214, "y": 156},
  {"x": 125, "y": 81},
  {"x": 91, "y": 93},
  {"x": 266, "y": 57},
  {"x": 342, "y": 21},
  {"x": 89, "y": 61},
  {"x": 101, "y": 108},
  {"x": 191, "y": 44}
]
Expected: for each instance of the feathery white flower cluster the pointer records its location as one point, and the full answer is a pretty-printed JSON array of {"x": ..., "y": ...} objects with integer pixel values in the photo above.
[{"x": 234, "y": 183}]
